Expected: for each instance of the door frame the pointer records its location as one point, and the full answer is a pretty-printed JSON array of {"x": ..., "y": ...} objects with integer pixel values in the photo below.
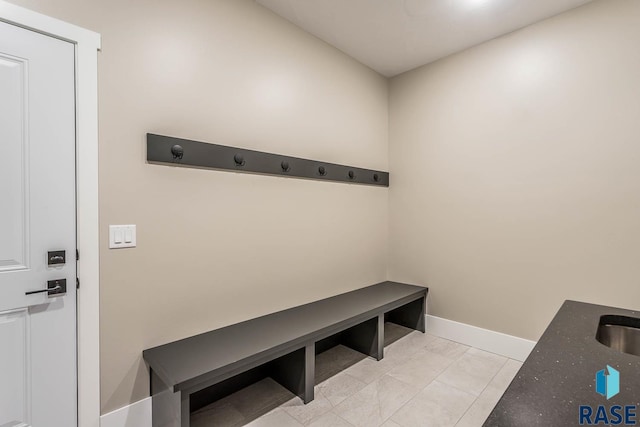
[{"x": 87, "y": 45}]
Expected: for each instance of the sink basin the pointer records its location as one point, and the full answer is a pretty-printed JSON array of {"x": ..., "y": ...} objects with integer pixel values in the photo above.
[{"x": 621, "y": 333}]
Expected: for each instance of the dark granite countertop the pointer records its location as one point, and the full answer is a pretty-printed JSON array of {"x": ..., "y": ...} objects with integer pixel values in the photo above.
[{"x": 559, "y": 374}]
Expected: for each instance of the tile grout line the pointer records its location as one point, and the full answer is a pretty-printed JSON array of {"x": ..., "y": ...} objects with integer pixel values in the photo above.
[
  {"x": 338, "y": 415},
  {"x": 290, "y": 416},
  {"x": 483, "y": 390},
  {"x": 420, "y": 389},
  {"x": 431, "y": 382}
]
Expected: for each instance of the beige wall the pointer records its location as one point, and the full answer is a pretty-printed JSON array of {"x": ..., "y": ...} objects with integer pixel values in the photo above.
[
  {"x": 215, "y": 248},
  {"x": 516, "y": 172},
  {"x": 515, "y": 177}
]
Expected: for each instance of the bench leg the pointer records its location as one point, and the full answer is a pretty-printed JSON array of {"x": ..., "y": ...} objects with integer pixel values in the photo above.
[
  {"x": 410, "y": 315},
  {"x": 296, "y": 371},
  {"x": 186, "y": 410},
  {"x": 366, "y": 337},
  {"x": 380, "y": 337},
  {"x": 309, "y": 371},
  {"x": 168, "y": 409}
]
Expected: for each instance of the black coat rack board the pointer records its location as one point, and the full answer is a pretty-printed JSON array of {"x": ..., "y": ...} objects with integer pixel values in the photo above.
[{"x": 183, "y": 152}]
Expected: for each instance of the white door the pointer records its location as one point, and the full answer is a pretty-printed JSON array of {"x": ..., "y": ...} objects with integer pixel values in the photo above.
[{"x": 37, "y": 230}]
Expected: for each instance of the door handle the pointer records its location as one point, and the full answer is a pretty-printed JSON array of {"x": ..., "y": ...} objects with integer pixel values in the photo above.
[{"x": 54, "y": 287}]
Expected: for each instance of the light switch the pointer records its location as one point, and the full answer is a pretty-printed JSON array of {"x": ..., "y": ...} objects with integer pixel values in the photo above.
[{"x": 122, "y": 236}]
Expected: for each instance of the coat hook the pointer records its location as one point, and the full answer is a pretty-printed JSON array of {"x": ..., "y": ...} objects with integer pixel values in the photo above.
[
  {"x": 239, "y": 160},
  {"x": 322, "y": 171},
  {"x": 351, "y": 174},
  {"x": 376, "y": 177},
  {"x": 285, "y": 166},
  {"x": 177, "y": 151}
]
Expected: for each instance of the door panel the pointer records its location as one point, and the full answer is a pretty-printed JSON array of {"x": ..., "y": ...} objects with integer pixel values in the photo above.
[
  {"x": 13, "y": 366},
  {"x": 13, "y": 223},
  {"x": 37, "y": 215}
]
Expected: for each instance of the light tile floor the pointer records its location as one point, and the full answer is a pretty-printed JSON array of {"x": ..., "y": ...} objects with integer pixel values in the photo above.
[{"x": 423, "y": 380}]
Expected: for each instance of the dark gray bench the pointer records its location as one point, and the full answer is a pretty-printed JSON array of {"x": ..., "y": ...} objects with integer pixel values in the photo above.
[{"x": 190, "y": 373}]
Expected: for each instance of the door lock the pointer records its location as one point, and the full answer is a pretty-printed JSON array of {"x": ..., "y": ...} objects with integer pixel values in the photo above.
[
  {"x": 54, "y": 288},
  {"x": 56, "y": 257}
]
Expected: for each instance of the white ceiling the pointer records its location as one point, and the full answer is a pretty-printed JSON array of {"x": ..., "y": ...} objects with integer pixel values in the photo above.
[{"x": 393, "y": 36}]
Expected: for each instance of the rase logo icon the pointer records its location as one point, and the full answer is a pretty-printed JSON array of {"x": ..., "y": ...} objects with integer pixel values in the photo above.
[{"x": 608, "y": 385}]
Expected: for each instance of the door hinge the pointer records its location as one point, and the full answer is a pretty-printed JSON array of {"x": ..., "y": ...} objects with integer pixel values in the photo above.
[
  {"x": 77, "y": 283},
  {"x": 77, "y": 255}
]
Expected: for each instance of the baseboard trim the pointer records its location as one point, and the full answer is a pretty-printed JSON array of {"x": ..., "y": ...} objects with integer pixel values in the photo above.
[
  {"x": 137, "y": 414},
  {"x": 484, "y": 339}
]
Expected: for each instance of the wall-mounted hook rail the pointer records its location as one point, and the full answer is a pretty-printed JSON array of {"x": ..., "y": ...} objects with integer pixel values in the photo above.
[{"x": 184, "y": 152}]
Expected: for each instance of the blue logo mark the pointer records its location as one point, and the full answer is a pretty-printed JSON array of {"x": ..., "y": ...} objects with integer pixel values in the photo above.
[{"x": 608, "y": 385}]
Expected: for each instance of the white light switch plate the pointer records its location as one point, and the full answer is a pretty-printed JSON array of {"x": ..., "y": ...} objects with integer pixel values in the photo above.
[{"x": 122, "y": 236}]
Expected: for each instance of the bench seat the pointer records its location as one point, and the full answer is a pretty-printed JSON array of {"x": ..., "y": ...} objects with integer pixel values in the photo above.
[{"x": 284, "y": 341}]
